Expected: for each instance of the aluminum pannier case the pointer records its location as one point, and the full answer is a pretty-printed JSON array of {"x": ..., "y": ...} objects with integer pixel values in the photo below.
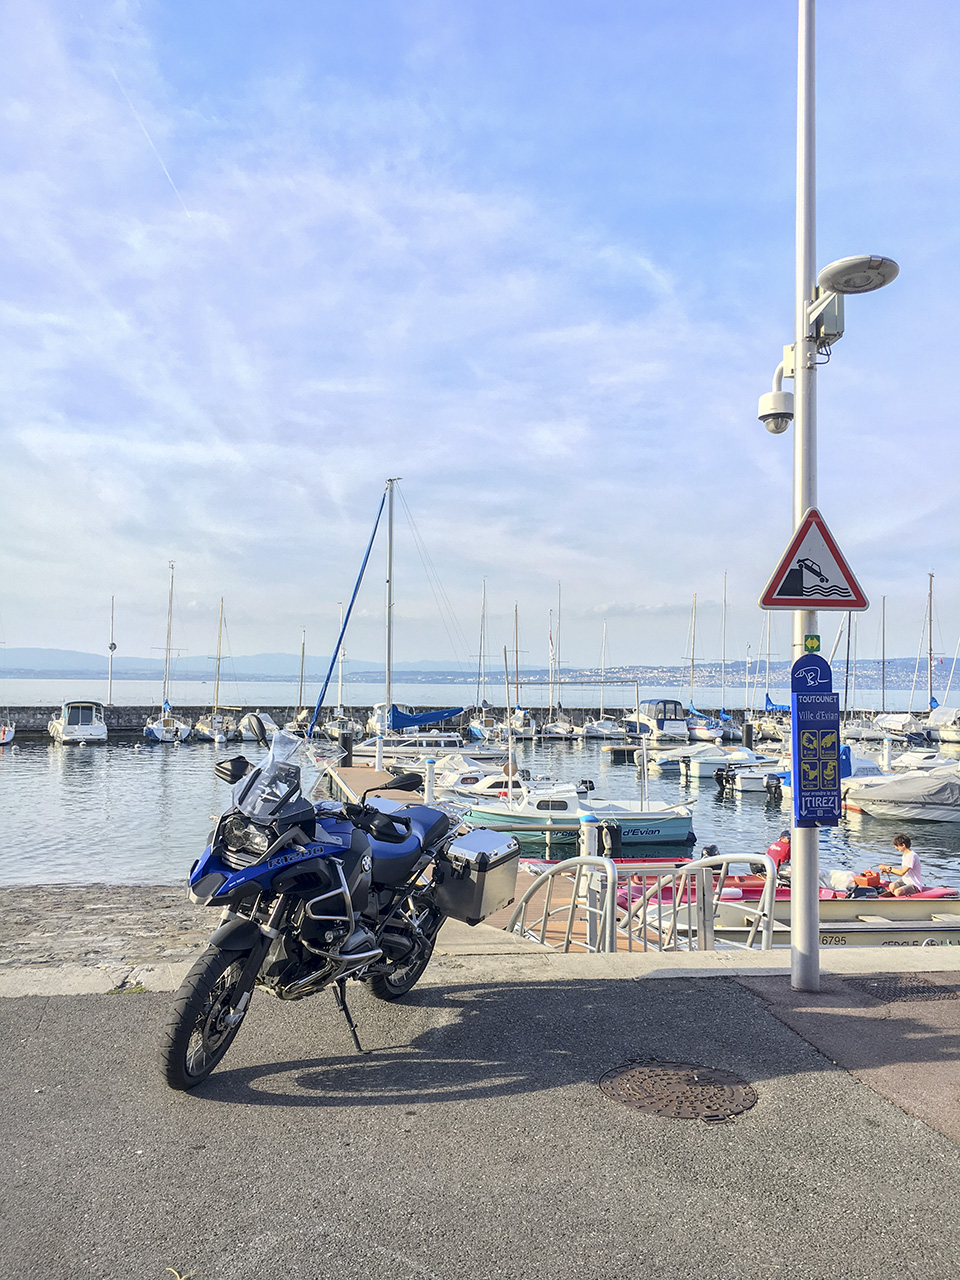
[{"x": 477, "y": 875}]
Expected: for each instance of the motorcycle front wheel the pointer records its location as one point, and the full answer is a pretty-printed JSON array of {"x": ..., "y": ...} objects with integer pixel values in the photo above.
[{"x": 203, "y": 1022}]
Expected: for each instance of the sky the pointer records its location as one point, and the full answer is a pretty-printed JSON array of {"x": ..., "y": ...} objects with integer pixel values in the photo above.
[{"x": 536, "y": 259}]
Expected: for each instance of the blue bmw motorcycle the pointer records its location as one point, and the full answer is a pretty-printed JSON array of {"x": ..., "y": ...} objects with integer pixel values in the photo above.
[{"x": 315, "y": 894}]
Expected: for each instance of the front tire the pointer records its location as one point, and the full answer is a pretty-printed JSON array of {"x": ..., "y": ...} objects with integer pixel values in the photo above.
[{"x": 203, "y": 1022}]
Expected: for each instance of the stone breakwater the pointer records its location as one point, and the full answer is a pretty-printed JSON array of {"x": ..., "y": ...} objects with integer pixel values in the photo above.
[{"x": 101, "y": 926}]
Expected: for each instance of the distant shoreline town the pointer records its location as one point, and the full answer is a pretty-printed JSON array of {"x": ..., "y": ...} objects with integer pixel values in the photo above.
[{"x": 49, "y": 664}]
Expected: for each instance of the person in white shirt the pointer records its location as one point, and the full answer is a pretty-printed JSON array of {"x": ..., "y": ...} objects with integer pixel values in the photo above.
[{"x": 909, "y": 876}]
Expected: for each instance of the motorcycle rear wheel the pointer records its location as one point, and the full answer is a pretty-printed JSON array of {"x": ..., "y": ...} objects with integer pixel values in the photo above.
[
  {"x": 401, "y": 976},
  {"x": 201, "y": 1027}
]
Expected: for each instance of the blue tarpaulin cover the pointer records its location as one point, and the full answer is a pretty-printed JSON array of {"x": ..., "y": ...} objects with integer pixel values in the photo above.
[{"x": 400, "y": 720}]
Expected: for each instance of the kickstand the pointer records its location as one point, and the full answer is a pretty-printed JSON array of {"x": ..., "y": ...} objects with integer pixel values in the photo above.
[{"x": 340, "y": 995}]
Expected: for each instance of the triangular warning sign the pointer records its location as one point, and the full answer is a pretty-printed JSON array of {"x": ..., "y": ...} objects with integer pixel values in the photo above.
[{"x": 813, "y": 573}]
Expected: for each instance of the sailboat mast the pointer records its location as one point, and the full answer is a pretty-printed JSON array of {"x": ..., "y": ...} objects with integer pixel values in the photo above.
[
  {"x": 550, "y": 661},
  {"x": 303, "y": 657},
  {"x": 216, "y": 678},
  {"x": 930, "y": 643},
  {"x": 388, "y": 680},
  {"x": 556, "y": 650},
  {"x": 883, "y": 653},
  {"x": 340, "y": 667},
  {"x": 481, "y": 662},
  {"x": 166, "y": 656},
  {"x": 603, "y": 664},
  {"x": 111, "y": 650},
  {"x": 516, "y": 652},
  {"x": 723, "y": 647},
  {"x": 693, "y": 643},
  {"x": 846, "y": 670}
]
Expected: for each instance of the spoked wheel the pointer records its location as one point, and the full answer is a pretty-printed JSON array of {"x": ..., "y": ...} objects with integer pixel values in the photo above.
[
  {"x": 402, "y": 975},
  {"x": 204, "y": 1020}
]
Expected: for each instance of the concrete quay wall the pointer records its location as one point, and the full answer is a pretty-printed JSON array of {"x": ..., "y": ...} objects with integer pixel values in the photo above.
[{"x": 34, "y": 720}]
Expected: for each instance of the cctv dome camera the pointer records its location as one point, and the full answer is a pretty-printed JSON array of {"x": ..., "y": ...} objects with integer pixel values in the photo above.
[{"x": 775, "y": 411}]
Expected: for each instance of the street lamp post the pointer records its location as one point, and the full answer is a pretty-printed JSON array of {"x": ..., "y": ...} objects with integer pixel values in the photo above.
[{"x": 818, "y": 322}]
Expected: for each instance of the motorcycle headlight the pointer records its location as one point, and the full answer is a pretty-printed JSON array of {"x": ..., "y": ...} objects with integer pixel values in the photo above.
[{"x": 238, "y": 833}]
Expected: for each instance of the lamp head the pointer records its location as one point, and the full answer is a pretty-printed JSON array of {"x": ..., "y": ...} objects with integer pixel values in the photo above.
[{"x": 858, "y": 275}]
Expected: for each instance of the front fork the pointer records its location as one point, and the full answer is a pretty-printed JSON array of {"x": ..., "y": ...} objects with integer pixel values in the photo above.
[{"x": 266, "y": 932}]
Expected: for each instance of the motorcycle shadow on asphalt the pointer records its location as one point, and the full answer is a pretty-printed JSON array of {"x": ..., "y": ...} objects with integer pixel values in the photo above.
[{"x": 486, "y": 1040}]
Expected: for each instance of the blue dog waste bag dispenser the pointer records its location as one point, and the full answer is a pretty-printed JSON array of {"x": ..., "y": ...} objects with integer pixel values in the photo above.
[{"x": 815, "y": 733}]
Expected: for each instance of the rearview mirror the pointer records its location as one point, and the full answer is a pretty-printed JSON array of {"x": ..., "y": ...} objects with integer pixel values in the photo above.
[
  {"x": 258, "y": 729},
  {"x": 407, "y": 782}
]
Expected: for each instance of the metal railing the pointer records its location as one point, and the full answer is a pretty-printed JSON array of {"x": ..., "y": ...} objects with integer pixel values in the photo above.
[{"x": 595, "y": 904}]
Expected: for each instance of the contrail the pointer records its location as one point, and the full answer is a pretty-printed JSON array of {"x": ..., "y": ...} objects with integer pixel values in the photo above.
[{"x": 136, "y": 116}]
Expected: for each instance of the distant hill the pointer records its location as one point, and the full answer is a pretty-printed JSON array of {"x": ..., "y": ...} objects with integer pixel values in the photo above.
[
  {"x": 29, "y": 664},
  {"x": 37, "y": 664}
]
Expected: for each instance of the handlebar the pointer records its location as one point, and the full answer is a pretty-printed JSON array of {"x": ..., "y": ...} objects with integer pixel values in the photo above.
[{"x": 382, "y": 826}]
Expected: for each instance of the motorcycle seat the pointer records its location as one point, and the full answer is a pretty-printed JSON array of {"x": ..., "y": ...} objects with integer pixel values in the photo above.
[
  {"x": 428, "y": 825},
  {"x": 392, "y": 863}
]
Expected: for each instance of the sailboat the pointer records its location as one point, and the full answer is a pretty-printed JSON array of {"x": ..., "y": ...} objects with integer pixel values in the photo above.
[
  {"x": 216, "y": 727},
  {"x": 166, "y": 727},
  {"x": 604, "y": 728},
  {"x": 340, "y": 722},
  {"x": 401, "y": 726},
  {"x": 518, "y": 723},
  {"x": 483, "y": 725},
  {"x": 558, "y": 728},
  {"x": 8, "y": 727}
]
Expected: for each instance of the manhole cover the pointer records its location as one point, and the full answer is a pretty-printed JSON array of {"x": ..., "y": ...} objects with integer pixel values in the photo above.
[
  {"x": 679, "y": 1090},
  {"x": 890, "y": 987}
]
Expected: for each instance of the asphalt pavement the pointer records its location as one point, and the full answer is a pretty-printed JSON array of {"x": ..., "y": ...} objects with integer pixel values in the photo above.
[{"x": 473, "y": 1140}]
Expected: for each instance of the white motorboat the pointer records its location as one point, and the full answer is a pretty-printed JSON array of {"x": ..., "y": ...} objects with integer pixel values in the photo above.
[
  {"x": 559, "y": 730},
  {"x": 925, "y": 795},
  {"x": 166, "y": 727},
  {"x": 919, "y": 758},
  {"x": 896, "y": 724},
  {"x": 943, "y": 724},
  {"x": 501, "y": 785},
  {"x": 705, "y": 764},
  {"x": 431, "y": 743},
  {"x": 462, "y": 771},
  {"x": 603, "y": 730},
  {"x": 663, "y": 720},
  {"x": 79, "y": 722},
  {"x": 853, "y": 766},
  {"x": 860, "y": 731},
  {"x": 671, "y": 761},
  {"x": 561, "y": 808}
]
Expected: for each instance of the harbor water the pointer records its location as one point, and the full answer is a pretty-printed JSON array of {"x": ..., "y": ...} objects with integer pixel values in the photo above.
[{"x": 129, "y": 813}]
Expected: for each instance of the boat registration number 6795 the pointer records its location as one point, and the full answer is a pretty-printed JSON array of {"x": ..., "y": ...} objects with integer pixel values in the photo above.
[{"x": 833, "y": 939}]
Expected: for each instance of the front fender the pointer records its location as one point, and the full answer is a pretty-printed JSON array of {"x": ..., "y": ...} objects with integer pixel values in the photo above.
[{"x": 236, "y": 935}]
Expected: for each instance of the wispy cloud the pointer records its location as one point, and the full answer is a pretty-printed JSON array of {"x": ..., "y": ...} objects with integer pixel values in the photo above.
[{"x": 347, "y": 300}]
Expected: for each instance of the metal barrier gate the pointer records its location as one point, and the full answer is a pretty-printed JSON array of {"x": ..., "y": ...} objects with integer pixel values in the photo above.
[{"x": 595, "y": 904}]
